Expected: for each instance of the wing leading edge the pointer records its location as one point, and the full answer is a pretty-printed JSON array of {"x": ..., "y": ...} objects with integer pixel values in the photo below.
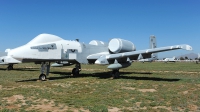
[{"x": 106, "y": 59}]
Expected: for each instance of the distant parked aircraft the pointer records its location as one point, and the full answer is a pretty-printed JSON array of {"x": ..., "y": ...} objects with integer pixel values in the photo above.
[
  {"x": 8, "y": 60},
  {"x": 170, "y": 59}
]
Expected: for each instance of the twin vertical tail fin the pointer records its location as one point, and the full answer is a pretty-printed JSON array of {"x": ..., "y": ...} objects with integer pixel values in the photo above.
[
  {"x": 153, "y": 45},
  {"x": 152, "y": 42}
]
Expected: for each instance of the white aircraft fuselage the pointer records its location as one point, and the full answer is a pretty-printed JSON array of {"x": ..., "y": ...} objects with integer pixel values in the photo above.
[
  {"x": 41, "y": 49},
  {"x": 62, "y": 50}
]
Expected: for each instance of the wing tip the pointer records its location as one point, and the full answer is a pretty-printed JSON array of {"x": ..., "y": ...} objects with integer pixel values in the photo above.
[{"x": 187, "y": 47}]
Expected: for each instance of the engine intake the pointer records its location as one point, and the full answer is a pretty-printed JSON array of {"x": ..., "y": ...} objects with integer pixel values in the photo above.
[{"x": 118, "y": 45}]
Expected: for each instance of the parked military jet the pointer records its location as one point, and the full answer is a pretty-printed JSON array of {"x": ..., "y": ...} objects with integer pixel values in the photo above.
[
  {"x": 8, "y": 60},
  {"x": 118, "y": 53},
  {"x": 170, "y": 59}
]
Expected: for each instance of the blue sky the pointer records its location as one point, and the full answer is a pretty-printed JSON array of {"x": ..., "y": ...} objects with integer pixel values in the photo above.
[{"x": 171, "y": 21}]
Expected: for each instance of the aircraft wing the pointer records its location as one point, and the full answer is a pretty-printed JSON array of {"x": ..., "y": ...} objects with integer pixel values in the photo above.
[{"x": 107, "y": 59}]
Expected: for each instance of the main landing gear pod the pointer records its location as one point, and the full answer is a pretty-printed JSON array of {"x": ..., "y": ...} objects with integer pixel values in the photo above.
[{"x": 115, "y": 68}]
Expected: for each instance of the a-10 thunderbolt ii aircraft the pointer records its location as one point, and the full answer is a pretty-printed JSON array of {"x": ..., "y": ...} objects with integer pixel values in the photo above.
[{"x": 118, "y": 53}]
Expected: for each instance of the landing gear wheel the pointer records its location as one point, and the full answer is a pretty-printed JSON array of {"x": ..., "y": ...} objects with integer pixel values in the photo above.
[
  {"x": 115, "y": 74},
  {"x": 42, "y": 77},
  {"x": 10, "y": 67},
  {"x": 75, "y": 72}
]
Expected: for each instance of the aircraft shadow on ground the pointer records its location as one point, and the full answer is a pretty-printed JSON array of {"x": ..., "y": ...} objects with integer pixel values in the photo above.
[
  {"x": 28, "y": 80},
  {"x": 105, "y": 75},
  {"x": 3, "y": 69},
  {"x": 20, "y": 69},
  {"x": 125, "y": 75},
  {"x": 149, "y": 78},
  {"x": 26, "y": 69}
]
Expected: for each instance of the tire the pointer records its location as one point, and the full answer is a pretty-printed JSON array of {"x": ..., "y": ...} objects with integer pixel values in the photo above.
[
  {"x": 10, "y": 67},
  {"x": 115, "y": 74},
  {"x": 42, "y": 77},
  {"x": 75, "y": 72}
]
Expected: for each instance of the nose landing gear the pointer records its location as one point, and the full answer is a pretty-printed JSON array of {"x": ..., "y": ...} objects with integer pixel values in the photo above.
[{"x": 45, "y": 67}]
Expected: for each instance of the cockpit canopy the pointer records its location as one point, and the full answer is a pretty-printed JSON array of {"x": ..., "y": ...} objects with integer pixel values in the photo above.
[{"x": 43, "y": 38}]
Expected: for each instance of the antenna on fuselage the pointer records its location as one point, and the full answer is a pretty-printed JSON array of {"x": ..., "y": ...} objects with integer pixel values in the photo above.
[{"x": 77, "y": 40}]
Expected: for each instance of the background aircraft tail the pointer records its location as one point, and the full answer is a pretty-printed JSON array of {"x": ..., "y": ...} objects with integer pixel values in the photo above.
[{"x": 152, "y": 45}]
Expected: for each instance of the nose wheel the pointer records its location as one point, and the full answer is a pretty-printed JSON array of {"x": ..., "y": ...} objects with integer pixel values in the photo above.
[{"x": 42, "y": 77}]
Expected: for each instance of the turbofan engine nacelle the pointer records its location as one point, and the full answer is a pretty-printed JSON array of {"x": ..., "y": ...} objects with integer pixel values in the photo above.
[{"x": 118, "y": 45}]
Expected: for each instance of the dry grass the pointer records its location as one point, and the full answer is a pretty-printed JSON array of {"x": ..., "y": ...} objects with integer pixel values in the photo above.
[{"x": 142, "y": 87}]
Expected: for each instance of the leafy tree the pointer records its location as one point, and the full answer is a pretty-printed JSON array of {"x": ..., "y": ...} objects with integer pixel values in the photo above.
[{"x": 181, "y": 58}]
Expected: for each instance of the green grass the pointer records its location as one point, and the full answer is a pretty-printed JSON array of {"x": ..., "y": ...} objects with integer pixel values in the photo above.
[{"x": 142, "y": 87}]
